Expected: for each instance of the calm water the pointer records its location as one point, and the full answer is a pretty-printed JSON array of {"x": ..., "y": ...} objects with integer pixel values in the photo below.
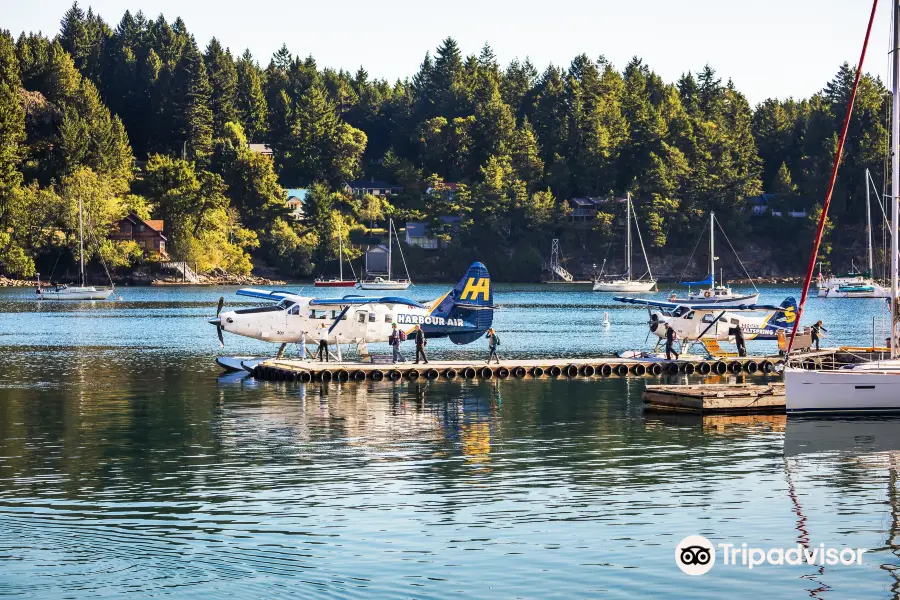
[{"x": 128, "y": 465}]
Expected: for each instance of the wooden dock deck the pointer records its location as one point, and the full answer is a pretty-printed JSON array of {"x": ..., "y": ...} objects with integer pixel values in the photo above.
[
  {"x": 310, "y": 370},
  {"x": 715, "y": 398}
]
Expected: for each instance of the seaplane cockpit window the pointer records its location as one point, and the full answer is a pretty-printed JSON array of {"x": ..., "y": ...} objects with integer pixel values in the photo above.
[
  {"x": 285, "y": 304},
  {"x": 294, "y": 310}
]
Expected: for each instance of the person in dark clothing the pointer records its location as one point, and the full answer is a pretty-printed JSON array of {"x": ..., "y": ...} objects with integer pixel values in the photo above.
[
  {"x": 670, "y": 341},
  {"x": 394, "y": 340},
  {"x": 493, "y": 344},
  {"x": 323, "y": 351},
  {"x": 420, "y": 345},
  {"x": 816, "y": 330},
  {"x": 738, "y": 340}
]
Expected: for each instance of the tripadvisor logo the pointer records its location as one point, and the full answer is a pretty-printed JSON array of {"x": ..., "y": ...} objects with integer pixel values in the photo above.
[{"x": 695, "y": 555}]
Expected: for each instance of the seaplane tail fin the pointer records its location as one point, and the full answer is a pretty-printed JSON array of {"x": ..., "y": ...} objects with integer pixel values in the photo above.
[
  {"x": 785, "y": 317},
  {"x": 472, "y": 301}
]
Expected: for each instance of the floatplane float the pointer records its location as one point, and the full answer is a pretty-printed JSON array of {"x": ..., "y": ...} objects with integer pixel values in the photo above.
[{"x": 463, "y": 315}]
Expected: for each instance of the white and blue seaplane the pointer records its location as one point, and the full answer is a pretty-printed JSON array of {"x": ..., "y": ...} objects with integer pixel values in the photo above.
[
  {"x": 695, "y": 323},
  {"x": 463, "y": 314}
]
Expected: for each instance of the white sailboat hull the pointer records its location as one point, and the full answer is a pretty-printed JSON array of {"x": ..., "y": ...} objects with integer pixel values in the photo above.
[
  {"x": 624, "y": 285},
  {"x": 76, "y": 293},
  {"x": 874, "y": 387},
  {"x": 876, "y": 291},
  {"x": 384, "y": 285}
]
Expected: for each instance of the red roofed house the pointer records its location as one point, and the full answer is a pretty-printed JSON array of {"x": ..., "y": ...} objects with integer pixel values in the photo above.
[{"x": 148, "y": 233}]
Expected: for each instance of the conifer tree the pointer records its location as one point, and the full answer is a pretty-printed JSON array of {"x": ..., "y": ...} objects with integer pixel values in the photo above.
[
  {"x": 250, "y": 102},
  {"x": 223, "y": 85}
]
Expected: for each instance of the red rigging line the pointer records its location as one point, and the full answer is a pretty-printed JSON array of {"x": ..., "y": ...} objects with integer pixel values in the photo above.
[{"x": 834, "y": 171}]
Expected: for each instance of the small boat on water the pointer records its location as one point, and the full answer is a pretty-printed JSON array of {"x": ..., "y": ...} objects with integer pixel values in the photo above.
[
  {"x": 855, "y": 284},
  {"x": 627, "y": 283},
  {"x": 79, "y": 292},
  {"x": 385, "y": 281},
  {"x": 872, "y": 386},
  {"x": 340, "y": 282},
  {"x": 714, "y": 295}
]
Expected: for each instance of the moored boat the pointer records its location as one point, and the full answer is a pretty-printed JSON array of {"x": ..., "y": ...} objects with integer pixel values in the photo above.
[
  {"x": 384, "y": 281},
  {"x": 627, "y": 283}
]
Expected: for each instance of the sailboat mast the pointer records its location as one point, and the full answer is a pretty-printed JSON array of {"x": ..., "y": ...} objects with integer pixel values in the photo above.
[
  {"x": 390, "y": 244},
  {"x": 712, "y": 249},
  {"x": 869, "y": 227},
  {"x": 895, "y": 173},
  {"x": 81, "y": 239},
  {"x": 340, "y": 252},
  {"x": 628, "y": 235}
]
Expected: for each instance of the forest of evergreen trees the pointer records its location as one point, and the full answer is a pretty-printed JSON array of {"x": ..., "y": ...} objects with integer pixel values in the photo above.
[{"x": 138, "y": 116}]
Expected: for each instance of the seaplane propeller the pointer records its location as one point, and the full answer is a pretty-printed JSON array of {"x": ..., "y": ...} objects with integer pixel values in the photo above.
[{"x": 218, "y": 321}]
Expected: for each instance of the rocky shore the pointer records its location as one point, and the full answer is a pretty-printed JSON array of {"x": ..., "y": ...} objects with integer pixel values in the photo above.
[{"x": 5, "y": 282}]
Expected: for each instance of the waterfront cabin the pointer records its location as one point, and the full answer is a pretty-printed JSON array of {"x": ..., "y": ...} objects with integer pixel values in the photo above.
[
  {"x": 361, "y": 187},
  {"x": 296, "y": 202},
  {"x": 148, "y": 233}
]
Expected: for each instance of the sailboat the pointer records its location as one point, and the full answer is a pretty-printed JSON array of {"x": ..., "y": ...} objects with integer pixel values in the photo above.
[
  {"x": 627, "y": 284},
  {"x": 714, "y": 295},
  {"x": 376, "y": 281},
  {"x": 854, "y": 284},
  {"x": 340, "y": 281},
  {"x": 82, "y": 291},
  {"x": 873, "y": 386}
]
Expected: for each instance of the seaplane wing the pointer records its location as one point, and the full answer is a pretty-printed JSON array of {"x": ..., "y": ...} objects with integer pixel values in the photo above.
[
  {"x": 364, "y": 300},
  {"x": 698, "y": 307},
  {"x": 266, "y": 294}
]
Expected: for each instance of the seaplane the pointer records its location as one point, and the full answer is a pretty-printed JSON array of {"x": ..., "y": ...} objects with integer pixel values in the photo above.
[
  {"x": 696, "y": 323},
  {"x": 463, "y": 314}
]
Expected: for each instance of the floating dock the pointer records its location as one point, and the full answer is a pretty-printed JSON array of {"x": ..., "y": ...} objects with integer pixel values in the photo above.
[
  {"x": 716, "y": 398},
  {"x": 310, "y": 370}
]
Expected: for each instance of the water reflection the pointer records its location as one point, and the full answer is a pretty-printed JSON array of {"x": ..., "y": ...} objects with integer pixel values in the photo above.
[{"x": 144, "y": 470}]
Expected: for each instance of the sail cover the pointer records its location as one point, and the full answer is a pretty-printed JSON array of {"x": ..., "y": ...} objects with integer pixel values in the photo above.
[{"x": 707, "y": 281}]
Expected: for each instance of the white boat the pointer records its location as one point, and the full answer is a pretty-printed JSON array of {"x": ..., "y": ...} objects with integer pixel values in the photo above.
[
  {"x": 872, "y": 386},
  {"x": 385, "y": 281},
  {"x": 340, "y": 282},
  {"x": 64, "y": 292},
  {"x": 714, "y": 295},
  {"x": 80, "y": 292},
  {"x": 855, "y": 284},
  {"x": 627, "y": 284}
]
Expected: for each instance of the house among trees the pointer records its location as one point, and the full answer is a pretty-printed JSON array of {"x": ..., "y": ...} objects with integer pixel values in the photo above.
[
  {"x": 769, "y": 204},
  {"x": 261, "y": 149},
  {"x": 418, "y": 233},
  {"x": 584, "y": 209},
  {"x": 148, "y": 233},
  {"x": 296, "y": 201},
  {"x": 448, "y": 188},
  {"x": 361, "y": 187}
]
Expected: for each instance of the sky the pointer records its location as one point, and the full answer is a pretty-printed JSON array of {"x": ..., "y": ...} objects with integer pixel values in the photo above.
[{"x": 769, "y": 48}]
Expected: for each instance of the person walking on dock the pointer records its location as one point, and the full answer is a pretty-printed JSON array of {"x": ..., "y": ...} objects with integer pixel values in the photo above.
[
  {"x": 816, "y": 330},
  {"x": 494, "y": 345},
  {"x": 323, "y": 351},
  {"x": 670, "y": 341},
  {"x": 420, "y": 345},
  {"x": 394, "y": 340},
  {"x": 738, "y": 340}
]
